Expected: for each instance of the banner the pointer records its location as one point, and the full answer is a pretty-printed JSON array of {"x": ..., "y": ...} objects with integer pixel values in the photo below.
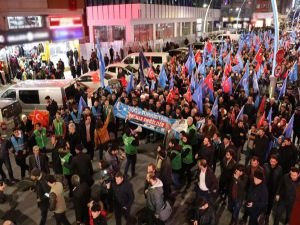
[{"x": 147, "y": 119}]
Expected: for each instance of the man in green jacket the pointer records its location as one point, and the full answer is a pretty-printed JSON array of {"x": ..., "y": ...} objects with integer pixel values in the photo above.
[
  {"x": 40, "y": 137},
  {"x": 130, "y": 142}
]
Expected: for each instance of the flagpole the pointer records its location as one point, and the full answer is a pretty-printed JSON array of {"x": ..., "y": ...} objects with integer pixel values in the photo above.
[
  {"x": 238, "y": 17},
  {"x": 205, "y": 18},
  {"x": 276, "y": 40}
]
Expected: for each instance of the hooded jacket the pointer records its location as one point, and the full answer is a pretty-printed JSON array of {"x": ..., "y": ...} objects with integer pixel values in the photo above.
[{"x": 155, "y": 197}]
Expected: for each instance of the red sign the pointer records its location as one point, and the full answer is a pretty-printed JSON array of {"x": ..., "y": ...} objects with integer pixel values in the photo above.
[
  {"x": 280, "y": 56},
  {"x": 65, "y": 22}
]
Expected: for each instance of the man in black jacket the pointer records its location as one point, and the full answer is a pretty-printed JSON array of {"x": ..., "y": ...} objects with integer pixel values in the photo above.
[
  {"x": 82, "y": 166},
  {"x": 96, "y": 214},
  {"x": 42, "y": 193},
  {"x": 205, "y": 214},
  {"x": 288, "y": 155},
  {"x": 207, "y": 185},
  {"x": 81, "y": 197},
  {"x": 273, "y": 174},
  {"x": 257, "y": 198},
  {"x": 51, "y": 107},
  {"x": 123, "y": 198},
  {"x": 261, "y": 144},
  {"x": 286, "y": 194},
  {"x": 4, "y": 159},
  {"x": 39, "y": 161}
]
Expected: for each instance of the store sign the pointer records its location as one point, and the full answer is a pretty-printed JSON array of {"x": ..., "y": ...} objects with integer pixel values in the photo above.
[
  {"x": 19, "y": 37},
  {"x": 65, "y": 22},
  {"x": 24, "y": 22},
  {"x": 67, "y": 34}
]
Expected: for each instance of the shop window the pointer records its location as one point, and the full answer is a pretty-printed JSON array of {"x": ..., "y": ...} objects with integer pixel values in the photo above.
[
  {"x": 194, "y": 30},
  {"x": 101, "y": 33},
  {"x": 164, "y": 30},
  {"x": 29, "y": 96},
  {"x": 186, "y": 28},
  {"x": 118, "y": 33},
  {"x": 143, "y": 32}
]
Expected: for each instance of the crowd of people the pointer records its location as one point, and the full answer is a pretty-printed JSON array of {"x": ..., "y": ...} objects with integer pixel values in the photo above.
[{"x": 257, "y": 157}]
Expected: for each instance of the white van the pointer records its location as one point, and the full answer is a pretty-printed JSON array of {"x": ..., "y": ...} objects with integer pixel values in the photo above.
[
  {"x": 233, "y": 37},
  {"x": 157, "y": 58},
  {"x": 31, "y": 93}
]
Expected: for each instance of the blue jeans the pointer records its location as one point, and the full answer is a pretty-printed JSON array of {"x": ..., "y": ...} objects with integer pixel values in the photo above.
[{"x": 235, "y": 207}]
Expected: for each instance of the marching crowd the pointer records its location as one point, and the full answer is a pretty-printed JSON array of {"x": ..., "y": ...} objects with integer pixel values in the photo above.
[{"x": 267, "y": 180}]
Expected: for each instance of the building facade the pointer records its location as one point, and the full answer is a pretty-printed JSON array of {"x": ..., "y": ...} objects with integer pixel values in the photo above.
[{"x": 131, "y": 21}]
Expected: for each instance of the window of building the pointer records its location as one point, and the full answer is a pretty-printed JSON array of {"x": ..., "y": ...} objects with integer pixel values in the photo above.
[
  {"x": 101, "y": 33},
  {"x": 186, "y": 28},
  {"x": 178, "y": 30},
  {"x": 143, "y": 32},
  {"x": 164, "y": 30},
  {"x": 118, "y": 33},
  {"x": 23, "y": 22},
  {"x": 194, "y": 29},
  {"x": 110, "y": 33},
  {"x": 29, "y": 96}
]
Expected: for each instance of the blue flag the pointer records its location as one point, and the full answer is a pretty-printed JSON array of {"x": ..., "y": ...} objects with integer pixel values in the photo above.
[
  {"x": 255, "y": 83},
  {"x": 197, "y": 97},
  {"x": 283, "y": 88},
  {"x": 171, "y": 83},
  {"x": 193, "y": 82},
  {"x": 245, "y": 80},
  {"x": 289, "y": 128},
  {"x": 82, "y": 104},
  {"x": 162, "y": 81},
  {"x": 269, "y": 118},
  {"x": 101, "y": 65},
  {"x": 211, "y": 95},
  {"x": 130, "y": 85},
  {"x": 215, "y": 110},
  {"x": 237, "y": 68},
  {"x": 108, "y": 89},
  {"x": 190, "y": 63},
  {"x": 202, "y": 69},
  {"x": 143, "y": 61},
  {"x": 241, "y": 113},
  {"x": 257, "y": 101},
  {"x": 152, "y": 85},
  {"x": 293, "y": 75}
]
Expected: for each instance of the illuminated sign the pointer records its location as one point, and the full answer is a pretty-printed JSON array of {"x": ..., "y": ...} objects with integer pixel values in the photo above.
[
  {"x": 23, "y": 22},
  {"x": 67, "y": 34},
  {"x": 65, "y": 22},
  {"x": 27, "y": 36}
]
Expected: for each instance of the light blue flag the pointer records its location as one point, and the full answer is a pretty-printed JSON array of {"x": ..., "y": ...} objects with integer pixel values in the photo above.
[
  {"x": 101, "y": 65},
  {"x": 269, "y": 118},
  {"x": 81, "y": 105},
  {"x": 293, "y": 75},
  {"x": 171, "y": 83},
  {"x": 215, "y": 110},
  {"x": 130, "y": 85},
  {"x": 241, "y": 113},
  {"x": 190, "y": 63},
  {"x": 197, "y": 97},
  {"x": 257, "y": 101},
  {"x": 162, "y": 81},
  {"x": 152, "y": 85},
  {"x": 289, "y": 128},
  {"x": 255, "y": 83},
  {"x": 283, "y": 88}
]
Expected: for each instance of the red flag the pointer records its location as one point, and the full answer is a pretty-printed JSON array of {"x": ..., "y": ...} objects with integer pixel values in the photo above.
[
  {"x": 151, "y": 74},
  {"x": 259, "y": 56},
  {"x": 209, "y": 81},
  {"x": 188, "y": 95},
  {"x": 227, "y": 86},
  {"x": 198, "y": 57},
  {"x": 280, "y": 56},
  {"x": 227, "y": 69},
  {"x": 261, "y": 120},
  {"x": 95, "y": 77},
  {"x": 209, "y": 47},
  {"x": 38, "y": 116},
  {"x": 262, "y": 105},
  {"x": 285, "y": 74}
]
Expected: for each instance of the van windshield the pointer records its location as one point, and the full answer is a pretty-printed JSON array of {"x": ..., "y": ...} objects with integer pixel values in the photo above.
[{"x": 12, "y": 110}]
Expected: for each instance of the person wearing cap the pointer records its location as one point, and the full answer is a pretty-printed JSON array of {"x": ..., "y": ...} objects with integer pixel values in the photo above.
[
  {"x": 257, "y": 198},
  {"x": 286, "y": 195},
  {"x": 205, "y": 213},
  {"x": 82, "y": 166},
  {"x": 42, "y": 190}
]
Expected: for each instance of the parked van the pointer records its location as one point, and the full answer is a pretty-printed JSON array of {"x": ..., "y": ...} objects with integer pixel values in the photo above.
[
  {"x": 31, "y": 93},
  {"x": 10, "y": 110},
  {"x": 157, "y": 58}
]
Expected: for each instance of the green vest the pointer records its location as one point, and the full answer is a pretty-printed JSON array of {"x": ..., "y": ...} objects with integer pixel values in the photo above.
[
  {"x": 66, "y": 171},
  {"x": 58, "y": 127},
  {"x": 41, "y": 137},
  {"x": 129, "y": 148},
  {"x": 193, "y": 139},
  {"x": 188, "y": 159},
  {"x": 176, "y": 162}
]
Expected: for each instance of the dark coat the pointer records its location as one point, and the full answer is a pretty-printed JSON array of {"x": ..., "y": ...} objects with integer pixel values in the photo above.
[
  {"x": 273, "y": 181},
  {"x": 211, "y": 180},
  {"x": 100, "y": 220},
  {"x": 261, "y": 147},
  {"x": 42, "y": 188},
  {"x": 207, "y": 217},
  {"x": 258, "y": 195},
  {"x": 81, "y": 197},
  {"x": 56, "y": 162},
  {"x": 82, "y": 166},
  {"x": 73, "y": 139},
  {"x": 83, "y": 132},
  {"x": 287, "y": 189},
  {"x": 288, "y": 156},
  {"x": 52, "y": 108},
  {"x": 241, "y": 187},
  {"x": 123, "y": 195},
  {"x": 44, "y": 163},
  {"x": 226, "y": 172},
  {"x": 207, "y": 153}
]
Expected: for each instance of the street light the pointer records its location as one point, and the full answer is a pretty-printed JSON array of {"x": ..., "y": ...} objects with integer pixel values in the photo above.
[
  {"x": 238, "y": 17},
  {"x": 204, "y": 5},
  {"x": 205, "y": 18}
]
